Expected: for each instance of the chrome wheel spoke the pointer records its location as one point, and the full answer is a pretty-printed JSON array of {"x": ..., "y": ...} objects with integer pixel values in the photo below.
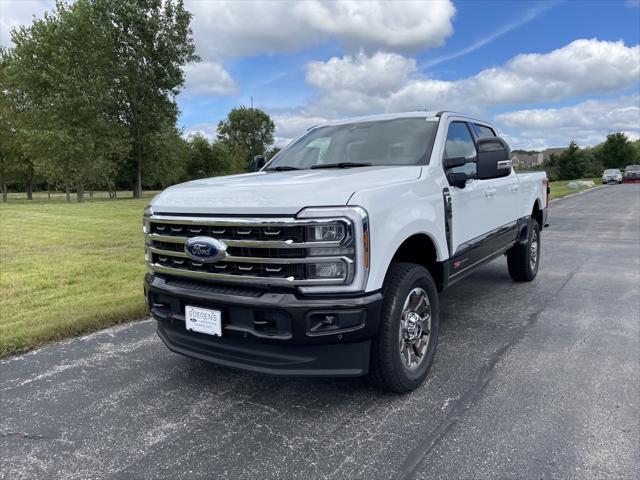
[
  {"x": 422, "y": 307},
  {"x": 407, "y": 355},
  {"x": 420, "y": 347},
  {"x": 414, "y": 300}
]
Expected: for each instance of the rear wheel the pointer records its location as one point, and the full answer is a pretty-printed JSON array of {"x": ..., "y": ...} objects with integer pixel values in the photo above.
[
  {"x": 523, "y": 259},
  {"x": 403, "y": 351}
]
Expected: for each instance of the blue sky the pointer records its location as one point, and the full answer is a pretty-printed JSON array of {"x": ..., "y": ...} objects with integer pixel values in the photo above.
[{"x": 543, "y": 72}]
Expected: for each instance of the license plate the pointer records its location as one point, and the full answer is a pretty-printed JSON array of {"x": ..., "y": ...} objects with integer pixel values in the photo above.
[{"x": 203, "y": 320}]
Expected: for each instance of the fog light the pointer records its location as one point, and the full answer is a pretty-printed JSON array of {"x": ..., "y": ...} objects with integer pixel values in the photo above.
[{"x": 336, "y": 270}]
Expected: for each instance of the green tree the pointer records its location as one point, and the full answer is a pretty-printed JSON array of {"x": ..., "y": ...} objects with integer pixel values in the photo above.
[
  {"x": 168, "y": 153},
  {"x": 617, "y": 151},
  {"x": 8, "y": 138},
  {"x": 248, "y": 131},
  {"x": 571, "y": 163},
  {"x": 201, "y": 160},
  {"x": 62, "y": 78},
  {"x": 151, "y": 41}
]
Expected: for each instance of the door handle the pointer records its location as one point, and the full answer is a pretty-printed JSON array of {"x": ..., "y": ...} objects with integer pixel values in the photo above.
[
  {"x": 514, "y": 188},
  {"x": 489, "y": 192}
]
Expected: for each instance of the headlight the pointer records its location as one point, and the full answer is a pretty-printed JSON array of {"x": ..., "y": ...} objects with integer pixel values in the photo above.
[
  {"x": 341, "y": 233},
  {"x": 333, "y": 232},
  {"x": 327, "y": 270}
]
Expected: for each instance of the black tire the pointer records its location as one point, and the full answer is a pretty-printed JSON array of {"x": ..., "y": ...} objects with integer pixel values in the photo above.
[
  {"x": 387, "y": 370},
  {"x": 522, "y": 263}
]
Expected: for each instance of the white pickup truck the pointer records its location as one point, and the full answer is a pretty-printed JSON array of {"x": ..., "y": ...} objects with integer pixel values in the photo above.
[{"x": 328, "y": 259}]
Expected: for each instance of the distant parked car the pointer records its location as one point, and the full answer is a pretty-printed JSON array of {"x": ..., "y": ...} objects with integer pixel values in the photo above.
[
  {"x": 631, "y": 174},
  {"x": 612, "y": 175}
]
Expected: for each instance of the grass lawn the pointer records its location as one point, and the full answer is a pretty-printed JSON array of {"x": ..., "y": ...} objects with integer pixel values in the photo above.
[
  {"x": 66, "y": 269},
  {"x": 559, "y": 189}
]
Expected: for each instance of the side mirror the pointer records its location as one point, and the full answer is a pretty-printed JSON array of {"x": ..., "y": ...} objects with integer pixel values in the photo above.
[
  {"x": 493, "y": 159},
  {"x": 458, "y": 179},
  {"x": 257, "y": 163}
]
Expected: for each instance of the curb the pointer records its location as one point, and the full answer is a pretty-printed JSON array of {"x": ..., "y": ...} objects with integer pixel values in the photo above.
[{"x": 551, "y": 202}]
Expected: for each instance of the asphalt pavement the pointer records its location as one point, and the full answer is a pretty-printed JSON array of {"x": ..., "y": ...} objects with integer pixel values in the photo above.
[{"x": 537, "y": 380}]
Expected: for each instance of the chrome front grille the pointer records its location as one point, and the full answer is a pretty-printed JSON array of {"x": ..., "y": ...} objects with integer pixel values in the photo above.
[{"x": 271, "y": 251}]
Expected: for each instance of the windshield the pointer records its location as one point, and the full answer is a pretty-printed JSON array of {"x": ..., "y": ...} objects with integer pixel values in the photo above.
[
  {"x": 632, "y": 168},
  {"x": 402, "y": 141},
  {"x": 614, "y": 171}
]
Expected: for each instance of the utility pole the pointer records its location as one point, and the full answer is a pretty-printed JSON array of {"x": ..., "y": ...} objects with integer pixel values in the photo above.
[{"x": 253, "y": 132}]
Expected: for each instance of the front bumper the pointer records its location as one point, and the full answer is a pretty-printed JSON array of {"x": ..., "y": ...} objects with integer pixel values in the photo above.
[{"x": 275, "y": 332}]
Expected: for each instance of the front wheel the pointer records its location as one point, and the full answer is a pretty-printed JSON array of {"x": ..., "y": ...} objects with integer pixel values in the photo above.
[
  {"x": 403, "y": 351},
  {"x": 523, "y": 259}
]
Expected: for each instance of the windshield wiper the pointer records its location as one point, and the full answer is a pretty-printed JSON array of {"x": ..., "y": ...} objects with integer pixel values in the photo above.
[
  {"x": 283, "y": 168},
  {"x": 342, "y": 165}
]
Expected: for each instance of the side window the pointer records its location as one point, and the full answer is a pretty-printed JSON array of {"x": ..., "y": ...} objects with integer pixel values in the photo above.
[
  {"x": 483, "y": 132},
  {"x": 460, "y": 144}
]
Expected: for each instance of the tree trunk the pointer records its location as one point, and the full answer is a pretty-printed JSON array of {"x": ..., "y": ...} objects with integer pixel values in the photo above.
[
  {"x": 80, "y": 192},
  {"x": 91, "y": 194},
  {"x": 3, "y": 187},
  {"x": 67, "y": 192},
  {"x": 29, "y": 191},
  {"x": 49, "y": 191},
  {"x": 137, "y": 187}
]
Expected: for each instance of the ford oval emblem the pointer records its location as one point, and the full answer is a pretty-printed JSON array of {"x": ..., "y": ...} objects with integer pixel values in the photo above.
[{"x": 205, "y": 249}]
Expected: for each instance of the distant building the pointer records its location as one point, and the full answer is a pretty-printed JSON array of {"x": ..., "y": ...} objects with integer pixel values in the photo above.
[
  {"x": 527, "y": 160},
  {"x": 534, "y": 159},
  {"x": 546, "y": 154}
]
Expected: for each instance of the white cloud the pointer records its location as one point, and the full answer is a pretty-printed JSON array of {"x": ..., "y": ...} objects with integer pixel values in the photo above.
[
  {"x": 14, "y": 13},
  {"x": 377, "y": 74},
  {"x": 245, "y": 28},
  {"x": 579, "y": 68},
  {"x": 361, "y": 85},
  {"x": 588, "y": 123},
  {"x": 406, "y": 26},
  {"x": 208, "y": 78},
  {"x": 207, "y": 130}
]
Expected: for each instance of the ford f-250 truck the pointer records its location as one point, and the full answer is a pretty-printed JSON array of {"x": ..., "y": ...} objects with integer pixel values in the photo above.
[{"x": 328, "y": 260}]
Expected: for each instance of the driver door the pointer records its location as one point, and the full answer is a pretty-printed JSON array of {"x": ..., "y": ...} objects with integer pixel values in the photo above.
[{"x": 468, "y": 204}]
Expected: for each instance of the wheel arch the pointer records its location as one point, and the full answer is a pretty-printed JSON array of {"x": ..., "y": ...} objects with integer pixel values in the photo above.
[
  {"x": 537, "y": 214},
  {"x": 421, "y": 249}
]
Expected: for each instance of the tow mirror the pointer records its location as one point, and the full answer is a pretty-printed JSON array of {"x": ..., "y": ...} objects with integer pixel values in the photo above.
[
  {"x": 493, "y": 159},
  {"x": 458, "y": 179},
  {"x": 454, "y": 162},
  {"x": 257, "y": 163}
]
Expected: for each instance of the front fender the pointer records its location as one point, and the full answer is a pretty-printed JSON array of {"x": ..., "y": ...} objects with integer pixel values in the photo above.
[{"x": 397, "y": 212}]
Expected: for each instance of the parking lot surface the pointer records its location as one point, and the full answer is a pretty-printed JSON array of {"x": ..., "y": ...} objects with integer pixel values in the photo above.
[{"x": 537, "y": 380}]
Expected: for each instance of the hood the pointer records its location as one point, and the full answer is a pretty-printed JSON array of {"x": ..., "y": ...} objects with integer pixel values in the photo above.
[{"x": 277, "y": 193}]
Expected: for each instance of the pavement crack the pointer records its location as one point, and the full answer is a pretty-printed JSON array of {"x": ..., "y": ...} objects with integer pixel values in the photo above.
[
  {"x": 415, "y": 456},
  {"x": 24, "y": 435}
]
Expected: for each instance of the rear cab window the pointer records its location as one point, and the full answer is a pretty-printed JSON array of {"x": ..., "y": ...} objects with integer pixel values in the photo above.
[{"x": 483, "y": 131}]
